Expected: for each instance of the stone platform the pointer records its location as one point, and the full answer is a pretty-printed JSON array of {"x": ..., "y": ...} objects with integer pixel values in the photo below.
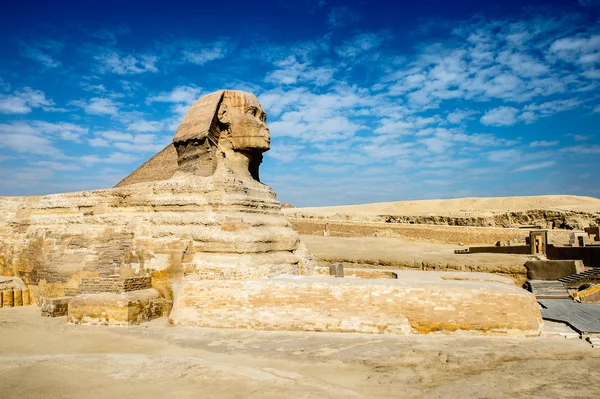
[{"x": 418, "y": 302}]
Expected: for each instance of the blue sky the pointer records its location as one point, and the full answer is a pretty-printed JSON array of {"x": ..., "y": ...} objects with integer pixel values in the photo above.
[{"x": 367, "y": 101}]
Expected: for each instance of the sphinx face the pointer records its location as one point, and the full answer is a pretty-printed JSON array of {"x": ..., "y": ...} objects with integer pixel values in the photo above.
[{"x": 249, "y": 131}]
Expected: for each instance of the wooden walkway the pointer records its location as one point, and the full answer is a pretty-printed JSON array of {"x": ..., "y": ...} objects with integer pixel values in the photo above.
[{"x": 583, "y": 317}]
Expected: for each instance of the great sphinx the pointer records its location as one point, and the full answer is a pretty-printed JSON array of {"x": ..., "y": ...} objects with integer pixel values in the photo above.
[{"x": 194, "y": 235}]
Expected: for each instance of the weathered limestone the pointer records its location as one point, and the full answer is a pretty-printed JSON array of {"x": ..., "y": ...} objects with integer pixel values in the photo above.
[
  {"x": 8, "y": 298},
  {"x": 205, "y": 242},
  {"x": 114, "y": 284},
  {"x": 125, "y": 308},
  {"x": 55, "y": 307},
  {"x": 589, "y": 295},
  {"x": 552, "y": 269},
  {"x": 419, "y": 302},
  {"x": 13, "y": 292}
]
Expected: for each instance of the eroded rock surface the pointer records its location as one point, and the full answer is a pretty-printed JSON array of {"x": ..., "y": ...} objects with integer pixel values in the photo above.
[
  {"x": 218, "y": 250},
  {"x": 212, "y": 219}
]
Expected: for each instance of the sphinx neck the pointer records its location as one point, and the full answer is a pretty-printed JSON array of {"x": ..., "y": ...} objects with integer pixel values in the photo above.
[{"x": 244, "y": 164}]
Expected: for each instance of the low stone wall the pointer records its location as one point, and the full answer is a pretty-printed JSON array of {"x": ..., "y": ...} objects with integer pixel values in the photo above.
[
  {"x": 552, "y": 269},
  {"x": 116, "y": 309},
  {"x": 590, "y": 255},
  {"x": 360, "y": 273},
  {"x": 422, "y": 232},
  {"x": 115, "y": 284},
  {"x": 377, "y": 306},
  {"x": 509, "y": 249},
  {"x": 55, "y": 307}
]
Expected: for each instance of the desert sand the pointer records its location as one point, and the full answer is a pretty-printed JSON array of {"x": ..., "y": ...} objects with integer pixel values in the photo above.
[
  {"x": 393, "y": 253},
  {"x": 462, "y": 206},
  {"x": 46, "y": 357}
]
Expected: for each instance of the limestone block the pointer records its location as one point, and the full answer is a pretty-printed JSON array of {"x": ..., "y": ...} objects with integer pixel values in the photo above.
[
  {"x": 552, "y": 269},
  {"x": 8, "y": 298},
  {"x": 26, "y": 298},
  {"x": 55, "y": 307},
  {"x": 127, "y": 308},
  {"x": 377, "y": 306},
  {"x": 114, "y": 284},
  {"x": 18, "y": 297},
  {"x": 589, "y": 295}
]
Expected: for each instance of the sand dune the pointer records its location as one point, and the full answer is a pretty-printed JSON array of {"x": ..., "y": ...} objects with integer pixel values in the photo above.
[{"x": 461, "y": 206}]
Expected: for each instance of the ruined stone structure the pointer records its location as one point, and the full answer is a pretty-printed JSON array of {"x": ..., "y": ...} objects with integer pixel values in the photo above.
[{"x": 204, "y": 242}]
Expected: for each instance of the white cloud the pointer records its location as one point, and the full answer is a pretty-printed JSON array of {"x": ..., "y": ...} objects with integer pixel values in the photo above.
[
  {"x": 389, "y": 126},
  {"x": 66, "y": 131},
  {"x": 99, "y": 88},
  {"x": 146, "y": 126},
  {"x": 128, "y": 142},
  {"x": 503, "y": 155},
  {"x": 582, "y": 50},
  {"x": 583, "y": 150},
  {"x": 199, "y": 54},
  {"x": 111, "y": 61},
  {"x": 359, "y": 45},
  {"x": 114, "y": 135},
  {"x": 98, "y": 142},
  {"x": 543, "y": 143},
  {"x": 22, "y": 102},
  {"x": 535, "y": 166},
  {"x": 580, "y": 137},
  {"x": 291, "y": 71},
  {"x": 98, "y": 106},
  {"x": 285, "y": 152},
  {"x": 180, "y": 94},
  {"x": 458, "y": 116},
  {"x": 597, "y": 109},
  {"x": 58, "y": 166},
  {"x": 43, "y": 51},
  {"x": 24, "y": 138},
  {"x": 534, "y": 111},
  {"x": 500, "y": 116},
  {"x": 113, "y": 158}
]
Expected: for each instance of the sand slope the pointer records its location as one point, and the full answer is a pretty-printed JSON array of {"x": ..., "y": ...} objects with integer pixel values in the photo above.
[
  {"x": 549, "y": 211},
  {"x": 464, "y": 206}
]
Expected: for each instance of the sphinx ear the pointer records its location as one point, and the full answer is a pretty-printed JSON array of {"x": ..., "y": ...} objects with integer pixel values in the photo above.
[{"x": 223, "y": 114}]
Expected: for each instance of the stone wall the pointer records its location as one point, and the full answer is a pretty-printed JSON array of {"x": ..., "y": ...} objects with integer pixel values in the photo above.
[
  {"x": 508, "y": 249},
  {"x": 423, "y": 233},
  {"x": 552, "y": 269},
  {"x": 376, "y": 306},
  {"x": 114, "y": 284},
  {"x": 590, "y": 255},
  {"x": 127, "y": 308}
]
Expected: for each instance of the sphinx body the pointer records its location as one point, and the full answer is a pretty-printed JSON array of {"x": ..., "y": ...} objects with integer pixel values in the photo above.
[
  {"x": 194, "y": 235},
  {"x": 211, "y": 219}
]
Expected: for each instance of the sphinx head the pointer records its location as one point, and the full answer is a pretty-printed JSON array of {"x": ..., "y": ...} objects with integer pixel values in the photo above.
[{"x": 223, "y": 129}]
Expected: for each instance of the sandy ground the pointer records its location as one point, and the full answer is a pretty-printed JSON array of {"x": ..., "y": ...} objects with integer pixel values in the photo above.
[
  {"x": 47, "y": 358},
  {"x": 381, "y": 253},
  {"x": 461, "y": 206}
]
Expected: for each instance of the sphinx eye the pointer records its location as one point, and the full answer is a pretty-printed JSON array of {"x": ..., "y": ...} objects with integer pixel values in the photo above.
[{"x": 252, "y": 111}]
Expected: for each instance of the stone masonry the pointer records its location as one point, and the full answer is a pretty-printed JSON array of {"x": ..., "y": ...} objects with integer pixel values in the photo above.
[{"x": 114, "y": 284}]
